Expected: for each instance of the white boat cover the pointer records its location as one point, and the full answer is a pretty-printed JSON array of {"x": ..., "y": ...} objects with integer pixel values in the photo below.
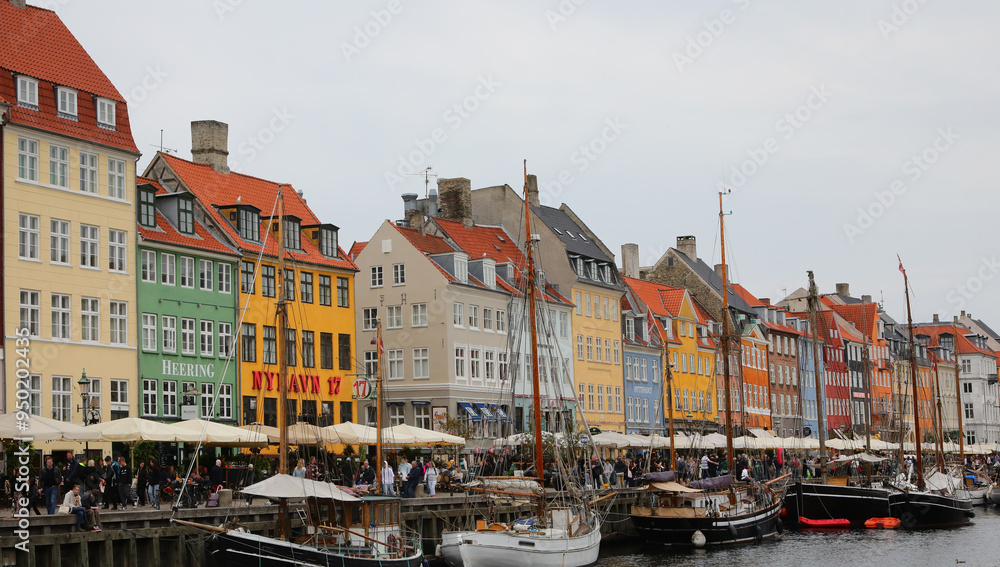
[{"x": 287, "y": 486}]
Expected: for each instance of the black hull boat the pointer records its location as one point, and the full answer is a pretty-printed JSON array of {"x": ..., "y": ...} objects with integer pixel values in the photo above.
[
  {"x": 830, "y": 501},
  {"x": 240, "y": 549},
  {"x": 920, "y": 510},
  {"x": 754, "y": 526}
]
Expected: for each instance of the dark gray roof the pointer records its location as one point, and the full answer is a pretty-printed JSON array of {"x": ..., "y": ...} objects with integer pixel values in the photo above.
[
  {"x": 708, "y": 274},
  {"x": 988, "y": 330},
  {"x": 577, "y": 241}
]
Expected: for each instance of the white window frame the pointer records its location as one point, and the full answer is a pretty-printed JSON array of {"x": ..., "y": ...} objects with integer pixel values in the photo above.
[
  {"x": 187, "y": 272},
  {"x": 119, "y": 395},
  {"x": 206, "y": 337},
  {"x": 168, "y": 267},
  {"x": 376, "y": 276},
  {"x": 90, "y": 319},
  {"x": 59, "y": 166},
  {"x": 188, "y": 326},
  {"x": 458, "y": 314},
  {"x": 475, "y": 363},
  {"x": 59, "y": 247},
  {"x": 90, "y": 241},
  {"x": 225, "y": 339},
  {"x": 27, "y": 159},
  {"x": 27, "y": 237},
  {"x": 460, "y": 365},
  {"x": 422, "y": 416},
  {"x": 399, "y": 274},
  {"x": 66, "y": 101},
  {"x": 116, "y": 179},
  {"x": 31, "y": 311},
  {"x": 225, "y": 406},
  {"x": 27, "y": 92},
  {"x": 418, "y": 315},
  {"x": 207, "y": 399},
  {"x": 394, "y": 364},
  {"x": 62, "y": 392},
  {"x": 421, "y": 364},
  {"x": 394, "y": 317},
  {"x": 149, "y": 332},
  {"x": 225, "y": 277},
  {"x": 106, "y": 113},
  {"x": 369, "y": 318},
  {"x": 118, "y": 311},
  {"x": 501, "y": 319},
  {"x": 488, "y": 319},
  {"x": 168, "y": 323},
  {"x": 117, "y": 250},
  {"x": 147, "y": 267},
  {"x": 149, "y": 395},
  {"x": 206, "y": 276},
  {"x": 88, "y": 172},
  {"x": 474, "y": 317},
  {"x": 62, "y": 326}
]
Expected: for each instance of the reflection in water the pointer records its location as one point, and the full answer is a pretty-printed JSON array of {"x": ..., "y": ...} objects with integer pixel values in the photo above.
[{"x": 973, "y": 545}]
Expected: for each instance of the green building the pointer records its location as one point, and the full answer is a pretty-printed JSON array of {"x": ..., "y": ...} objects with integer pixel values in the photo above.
[{"x": 187, "y": 310}]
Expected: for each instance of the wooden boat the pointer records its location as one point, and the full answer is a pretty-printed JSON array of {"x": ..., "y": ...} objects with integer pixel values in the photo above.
[{"x": 834, "y": 523}]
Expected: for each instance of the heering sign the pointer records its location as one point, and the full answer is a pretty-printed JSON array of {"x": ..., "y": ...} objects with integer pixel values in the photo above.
[
  {"x": 296, "y": 382},
  {"x": 171, "y": 368}
]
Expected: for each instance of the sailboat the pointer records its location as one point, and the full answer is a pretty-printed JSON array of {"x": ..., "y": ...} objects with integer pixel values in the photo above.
[
  {"x": 565, "y": 536},
  {"x": 825, "y": 500},
  {"x": 932, "y": 504},
  {"x": 340, "y": 528},
  {"x": 714, "y": 511}
]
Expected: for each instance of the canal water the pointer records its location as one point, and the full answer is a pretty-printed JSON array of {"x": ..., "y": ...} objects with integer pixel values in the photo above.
[{"x": 974, "y": 545}]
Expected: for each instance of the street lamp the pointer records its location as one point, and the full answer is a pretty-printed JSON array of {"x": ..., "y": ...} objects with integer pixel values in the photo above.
[{"x": 91, "y": 415}]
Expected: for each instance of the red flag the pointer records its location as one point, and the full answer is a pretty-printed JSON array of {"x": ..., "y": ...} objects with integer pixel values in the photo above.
[{"x": 900, "y": 264}]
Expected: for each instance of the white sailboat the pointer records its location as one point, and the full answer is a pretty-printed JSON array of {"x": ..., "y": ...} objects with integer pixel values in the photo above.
[{"x": 564, "y": 536}]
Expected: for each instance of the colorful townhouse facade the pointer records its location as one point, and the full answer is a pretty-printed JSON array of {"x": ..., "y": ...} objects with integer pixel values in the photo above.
[
  {"x": 316, "y": 288},
  {"x": 646, "y": 344},
  {"x": 187, "y": 310},
  {"x": 68, "y": 180}
]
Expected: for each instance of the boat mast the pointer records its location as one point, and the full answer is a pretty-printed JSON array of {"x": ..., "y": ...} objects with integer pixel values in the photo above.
[
  {"x": 378, "y": 407},
  {"x": 939, "y": 415},
  {"x": 535, "y": 391},
  {"x": 868, "y": 401},
  {"x": 913, "y": 384},
  {"x": 725, "y": 342},
  {"x": 820, "y": 381},
  {"x": 281, "y": 313},
  {"x": 670, "y": 403},
  {"x": 958, "y": 396}
]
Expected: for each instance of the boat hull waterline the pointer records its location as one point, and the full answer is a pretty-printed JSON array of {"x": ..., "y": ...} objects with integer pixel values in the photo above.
[
  {"x": 829, "y": 501},
  {"x": 920, "y": 510},
  {"x": 758, "y": 525},
  {"x": 521, "y": 549},
  {"x": 240, "y": 549}
]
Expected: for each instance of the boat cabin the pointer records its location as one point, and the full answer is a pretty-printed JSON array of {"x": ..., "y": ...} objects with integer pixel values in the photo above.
[{"x": 368, "y": 527}]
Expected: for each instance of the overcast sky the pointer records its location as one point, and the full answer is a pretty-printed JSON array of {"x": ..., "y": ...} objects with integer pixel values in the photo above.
[{"x": 848, "y": 131}]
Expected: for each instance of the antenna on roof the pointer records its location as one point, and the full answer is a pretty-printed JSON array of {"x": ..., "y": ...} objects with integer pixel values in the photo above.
[
  {"x": 163, "y": 149},
  {"x": 427, "y": 174}
]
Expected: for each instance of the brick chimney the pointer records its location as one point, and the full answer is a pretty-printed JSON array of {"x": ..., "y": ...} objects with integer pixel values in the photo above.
[
  {"x": 688, "y": 246},
  {"x": 866, "y": 299},
  {"x": 455, "y": 200},
  {"x": 630, "y": 260},
  {"x": 718, "y": 270},
  {"x": 412, "y": 213},
  {"x": 843, "y": 289},
  {"x": 936, "y": 319},
  {"x": 533, "y": 190},
  {"x": 210, "y": 144}
]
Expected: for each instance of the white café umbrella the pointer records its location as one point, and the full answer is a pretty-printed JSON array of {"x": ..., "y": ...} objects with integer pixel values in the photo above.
[
  {"x": 136, "y": 429},
  {"x": 38, "y": 428},
  {"x": 222, "y": 434},
  {"x": 352, "y": 433},
  {"x": 419, "y": 436},
  {"x": 272, "y": 433}
]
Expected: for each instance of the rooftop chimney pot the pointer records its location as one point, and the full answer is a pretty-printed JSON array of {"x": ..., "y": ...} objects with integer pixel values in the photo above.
[
  {"x": 843, "y": 289},
  {"x": 688, "y": 245},
  {"x": 630, "y": 260},
  {"x": 210, "y": 144}
]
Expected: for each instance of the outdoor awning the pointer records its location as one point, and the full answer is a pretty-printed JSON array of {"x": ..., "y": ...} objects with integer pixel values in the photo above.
[
  {"x": 470, "y": 410},
  {"x": 420, "y": 402},
  {"x": 501, "y": 414},
  {"x": 484, "y": 410}
]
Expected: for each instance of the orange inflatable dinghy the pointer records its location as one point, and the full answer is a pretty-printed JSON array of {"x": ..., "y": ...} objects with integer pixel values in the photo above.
[{"x": 883, "y": 523}]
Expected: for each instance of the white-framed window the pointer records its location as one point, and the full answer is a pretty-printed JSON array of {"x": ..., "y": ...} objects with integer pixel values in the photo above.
[
  {"x": 418, "y": 315},
  {"x": 149, "y": 341},
  {"x": 600, "y": 397},
  {"x": 66, "y": 101},
  {"x": 421, "y": 364},
  {"x": 119, "y": 394},
  {"x": 207, "y": 338},
  {"x": 89, "y": 241},
  {"x": 207, "y": 399},
  {"x": 119, "y": 322},
  {"x": 396, "y": 416},
  {"x": 398, "y": 274},
  {"x": 460, "y": 362},
  {"x": 225, "y": 339},
  {"x": 502, "y": 365},
  {"x": 187, "y": 336},
  {"x": 35, "y": 394},
  {"x": 586, "y": 304},
  {"x": 475, "y": 357},
  {"x": 590, "y": 348},
  {"x": 376, "y": 276},
  {"x": 394, "y": 317},
  {"x": 90, "y": 319},
  {"x": 149, "y": 397},
  {"x": 563, "y": 324},
  {"x": 474, "y": 317},
  {"x": 27, "y": 159},
  {"x": 394, "y": 363},
  {"x": 169, "y": 326},
  {"x": 58, "y": 166},
  {"x": 488, "y": 319},
  {"x": 579, "y": 347},
  {"x": 628, "y": 367},
  {"x": 62, "y": 391},
  {"x": 27, "y": 237},
  {"x": 501, "y": 318},
  {"x": 168, "y": 265},
  {"x": 599, "y": 356},
  {"x": 59, "y": 241},
  {"x": 607, "y": 351},
  {"x": 116, "y": 178},
  {"x": 225, "y": 407},
  {"x": 458, "y": 314},
  {"x": 147, "y": 267},
  {"x": 88, "y": 172},
  {"x": 462, "y": 269},
  {"x": 27, "y": 92},
  {"x": 490, "y": 365},
  {"x": 206, "y": 271},
  {"x": 616, "y": 351},
  {"x": 187, "y": 272},
  {"x": 30, "y": 309},
  {"x": 369, "y": 318},
  {"x": 117, "y": 256},
  {"x": 422, "y": 416},
  {"x": 60, "y": 316},
  {"x": 169, "y": 397},
  {"x": 106, "y": 113},
  {"x": 225, "y": 277}
]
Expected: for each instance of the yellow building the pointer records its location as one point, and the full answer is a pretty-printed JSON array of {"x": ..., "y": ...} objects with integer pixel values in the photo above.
[
  {"x": 318, "y": 286},
  {"x": 69, "y": 208}
]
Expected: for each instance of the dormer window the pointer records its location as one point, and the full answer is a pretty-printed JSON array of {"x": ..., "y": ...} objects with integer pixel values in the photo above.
[
  {"x": 248, "y": 224},
  {"x": 605, "y": 273},
  {"x": 27, "y": 93},
  {"x": 106, "y": 113},
  {"x": 66, "y": 101},
  {"x": 490, "y": 275},
  {"x": 592, "y": 269},
  {"x": 185, "y": 216},
  {"x": 630, "y": 329},
  {"x": 328, "y": 242},
  {"x": 292, "y": 236},
  {"x": 147, "y": 207},
  {"x": 462, "y": 269}
]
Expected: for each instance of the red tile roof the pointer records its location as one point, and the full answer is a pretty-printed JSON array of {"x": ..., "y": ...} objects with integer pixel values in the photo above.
[
  {"x": 426, "y": 243},
  {"x": 356, "y": 249},
  {"x": 36, "y": 43},
  {"x": 863, "y": 315},
  {"x": 746, "y": 295},
  {"x": 481, "y": 241},
  {"x": 215, "y": 189},
  {"x": 965, "y": 346},
  {"x": 662, "y": 300},
  {"x": 168, "y": 234}
]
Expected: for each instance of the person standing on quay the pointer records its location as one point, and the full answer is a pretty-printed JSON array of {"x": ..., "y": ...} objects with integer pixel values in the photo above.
[
  {"x": 142, "y": 481},
  {"x": 110, "y": 483},
  {"x": 51, "y": 480},
  {"x": 124, "y": 484},
  {"x": 431, "y": 474},
  {"x": 154, "y": 484}
]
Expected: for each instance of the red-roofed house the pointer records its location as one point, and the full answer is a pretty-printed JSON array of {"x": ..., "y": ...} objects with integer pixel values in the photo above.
[
  {"x": 451, "y": 311},
  {"x": 317, "y": 285},
  {"x": 68, "y": 187}
]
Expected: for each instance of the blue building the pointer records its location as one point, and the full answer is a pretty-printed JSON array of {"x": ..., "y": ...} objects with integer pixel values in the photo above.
[
  {"x": 807, "y": 375},
  {"x": 642, "y": 364}
]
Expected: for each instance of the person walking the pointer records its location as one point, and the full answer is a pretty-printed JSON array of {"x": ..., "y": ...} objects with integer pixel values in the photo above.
[
  {"x": 217, "y": 476},
  {"x": 72, "y": 505},
  {"x": 142, "y": 482},
  {"x": 71, "y": 472},
  {"x": 153, "y": 488},
  {"x": 413, "y": 479},
  {"x": 51, "y": 481},
  {"x": 110, "y": 484},
  {"x": 90, "y": 501},
  {"x": 431, "y": 474},
  {"x": 124, "y": 482},
  {"x": 388, "y": 480}
]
